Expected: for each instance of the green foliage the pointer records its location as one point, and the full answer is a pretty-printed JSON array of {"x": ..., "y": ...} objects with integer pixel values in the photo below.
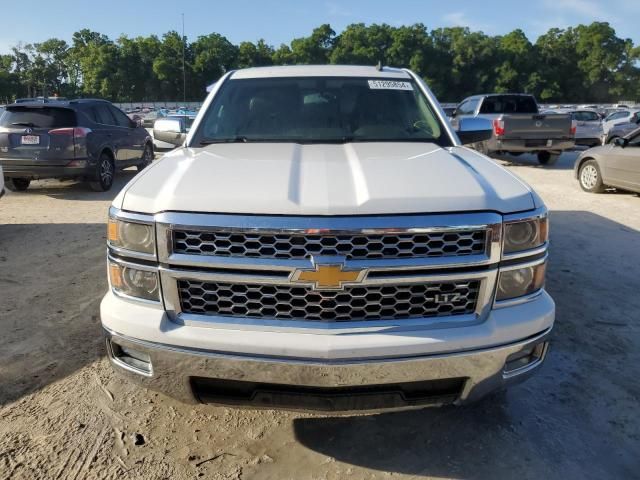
[{"x": 576, "y": 64}]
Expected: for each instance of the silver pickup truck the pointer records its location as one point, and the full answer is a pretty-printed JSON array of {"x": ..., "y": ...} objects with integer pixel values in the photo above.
[{"x": 518, "y": 126}]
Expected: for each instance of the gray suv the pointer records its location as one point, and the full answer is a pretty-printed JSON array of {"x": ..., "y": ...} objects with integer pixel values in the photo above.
[{"x": 85, "y": 139}]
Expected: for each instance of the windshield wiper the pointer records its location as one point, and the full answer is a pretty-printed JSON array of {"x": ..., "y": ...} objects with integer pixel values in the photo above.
[
  {"x": 24, "y": 124},
  {"x": 236, "y": 139}
]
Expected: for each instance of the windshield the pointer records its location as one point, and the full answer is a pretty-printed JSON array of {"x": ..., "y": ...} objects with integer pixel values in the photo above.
[{"x": 320, "y": 110}]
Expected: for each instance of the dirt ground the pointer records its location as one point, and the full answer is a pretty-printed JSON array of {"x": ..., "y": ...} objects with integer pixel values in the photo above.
[{"x": 65, "y": 415}]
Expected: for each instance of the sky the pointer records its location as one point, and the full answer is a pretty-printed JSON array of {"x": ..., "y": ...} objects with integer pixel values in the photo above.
[{"x": 279, "y": 21}]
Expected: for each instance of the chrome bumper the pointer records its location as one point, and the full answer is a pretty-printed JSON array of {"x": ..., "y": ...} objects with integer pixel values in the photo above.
[{"x": 326, "y": 385}]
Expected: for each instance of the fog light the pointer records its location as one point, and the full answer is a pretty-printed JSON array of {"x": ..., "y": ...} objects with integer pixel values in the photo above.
[
  {"x": 136, "y": 359},
  {"x": 528, "y": 357}
]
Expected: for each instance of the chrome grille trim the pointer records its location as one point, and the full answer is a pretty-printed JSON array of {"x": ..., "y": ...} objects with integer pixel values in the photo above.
[
  {"x": 168, "y": 222},
  {"x": 275, "y": 271},
  {"x": 353, "y": 303},
  {"x": 358, "y": 246},
  {"x": 170, "y": 277}
]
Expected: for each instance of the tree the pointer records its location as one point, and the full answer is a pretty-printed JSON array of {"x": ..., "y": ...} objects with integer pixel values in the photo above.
[
  {"x": 254, "y": 55},
  {"x": 464, "y": 63},
  {"x": 213, "y": 56},
  {"x": 362, "y": 45},
  {"x": 516, "y": 58},
  {"x": 167, "y": 66},
  {"x": 315, "y": 49},
  {"x": 411, "y": 47},
  {"x": 560, "y": 78},
  {"x": 576, "y": 64},
  {"x": 600, "y": 55}
]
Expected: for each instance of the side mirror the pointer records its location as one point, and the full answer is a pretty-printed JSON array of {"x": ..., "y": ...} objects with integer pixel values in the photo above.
[
  {"x": 620, "y": 142},
  {"x": 169, "y": 130},
  {"x": 454, "y": 113},
  {"x": 473, "y": 130}
]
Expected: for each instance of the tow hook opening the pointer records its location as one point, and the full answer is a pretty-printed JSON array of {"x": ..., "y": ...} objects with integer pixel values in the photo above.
[
  {"x": 526, "y": 359},
  {"x": 130, "y": 358}
]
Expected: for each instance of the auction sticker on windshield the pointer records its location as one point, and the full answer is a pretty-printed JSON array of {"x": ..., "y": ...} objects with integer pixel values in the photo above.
[{"x": 389, "y": 85}]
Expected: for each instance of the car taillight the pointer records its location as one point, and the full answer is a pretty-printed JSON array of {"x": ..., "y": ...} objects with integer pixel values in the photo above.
[
  {"x": 76, "y": 132},
  {"x": 498, "y": 127},
  {"x": 574, "y": 125}
]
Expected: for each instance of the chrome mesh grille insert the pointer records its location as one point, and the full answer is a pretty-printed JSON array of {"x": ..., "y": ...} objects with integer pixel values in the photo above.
[
  {"x": 352, "y": 246},
  {"x": 351, "y": 304}
]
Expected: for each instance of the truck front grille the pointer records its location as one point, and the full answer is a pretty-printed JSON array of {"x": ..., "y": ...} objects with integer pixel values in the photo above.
[
  {"x": 369, "y": 302},
  {"x": 352, "y": 246}
]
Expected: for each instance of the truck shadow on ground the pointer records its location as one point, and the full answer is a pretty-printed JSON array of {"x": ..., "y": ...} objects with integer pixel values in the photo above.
[
  {"x": 553, "y": 424},
  {"x": 53, "y": 277}
]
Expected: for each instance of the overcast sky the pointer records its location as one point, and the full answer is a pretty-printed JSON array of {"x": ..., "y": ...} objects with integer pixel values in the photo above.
[{"x": 280, "y": 21}]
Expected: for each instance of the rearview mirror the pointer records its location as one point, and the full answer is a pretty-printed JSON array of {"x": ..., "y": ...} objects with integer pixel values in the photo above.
[
  {"x": 620, "y": 142},
  {"x": 473, "y": 130},
  {"x": 169, "y": 130}
]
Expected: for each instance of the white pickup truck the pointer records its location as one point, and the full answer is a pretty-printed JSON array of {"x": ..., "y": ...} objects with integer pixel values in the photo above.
[{"x": 322, "y": 240}]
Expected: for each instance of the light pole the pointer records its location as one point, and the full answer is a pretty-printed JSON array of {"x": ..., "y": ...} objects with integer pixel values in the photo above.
[{"x": 184, "y": 71}]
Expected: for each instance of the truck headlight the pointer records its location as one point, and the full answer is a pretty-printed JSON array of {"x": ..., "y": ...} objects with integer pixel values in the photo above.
[
  {"x": 520, "y": 281},
  {"x": 134, "y": 282},
  {"x": 525, "y": 234},
  {"x": 137, "y": 237}
]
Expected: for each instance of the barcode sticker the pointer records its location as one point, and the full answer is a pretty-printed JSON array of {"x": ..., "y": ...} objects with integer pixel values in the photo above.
[{"x": 389, "y": 85}]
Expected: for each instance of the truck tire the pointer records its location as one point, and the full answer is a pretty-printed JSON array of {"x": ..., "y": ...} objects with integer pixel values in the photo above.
[
  {"x": 17, "y": 184},
  {"x": 590, "y": 178},
  {"x": 105, "y": 172},
  {"x": 547, "y": 158}
]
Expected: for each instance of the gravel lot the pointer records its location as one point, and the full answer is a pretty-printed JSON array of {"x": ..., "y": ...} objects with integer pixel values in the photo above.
[{"x": 64, "y": 414}]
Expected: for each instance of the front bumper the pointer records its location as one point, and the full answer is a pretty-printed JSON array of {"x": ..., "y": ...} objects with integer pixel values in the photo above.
[{"x": 368, "y": 371}]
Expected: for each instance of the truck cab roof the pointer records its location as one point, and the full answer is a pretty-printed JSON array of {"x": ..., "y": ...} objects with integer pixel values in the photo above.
[{"x": 321, "y": 71}]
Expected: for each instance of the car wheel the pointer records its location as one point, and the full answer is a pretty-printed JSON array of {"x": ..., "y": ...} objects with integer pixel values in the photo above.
[
  {"x": 17, "y": 184},
  {"x": 147, "y": 157},
  {"x": 611, "y": 140},
  {"x": 547, "y": 158},
  {"x": 105, "y": 172},
  {"x": 590, "y": 178}
]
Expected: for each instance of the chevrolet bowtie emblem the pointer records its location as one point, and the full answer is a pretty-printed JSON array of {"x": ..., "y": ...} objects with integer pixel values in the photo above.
[{"x": 328, "y": 277}]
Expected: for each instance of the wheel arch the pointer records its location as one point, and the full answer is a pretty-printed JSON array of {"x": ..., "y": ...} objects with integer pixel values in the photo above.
[
  {"x": 582, "y": 162},
  {"x": 108, "y": 151}
]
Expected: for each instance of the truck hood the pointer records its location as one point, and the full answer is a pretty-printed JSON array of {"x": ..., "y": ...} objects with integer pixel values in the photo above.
[{"x": 344, "y": 179}]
